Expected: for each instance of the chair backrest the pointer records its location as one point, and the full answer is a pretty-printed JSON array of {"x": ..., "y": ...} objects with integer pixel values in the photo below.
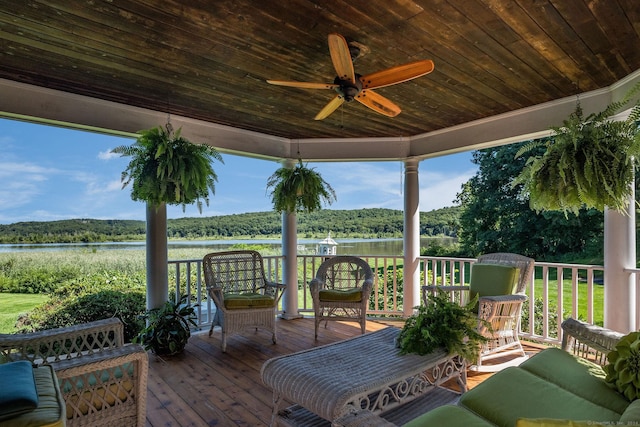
[
  {"x": 344, "y": 272},
  {"x": 234, "y": 271},
  {"x": 523, "y": 263}
]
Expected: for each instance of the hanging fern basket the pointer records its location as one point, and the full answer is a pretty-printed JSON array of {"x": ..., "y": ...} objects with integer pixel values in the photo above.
[
  {"x": 299, "y": 189},
  {"x": 588, "y": 162}
]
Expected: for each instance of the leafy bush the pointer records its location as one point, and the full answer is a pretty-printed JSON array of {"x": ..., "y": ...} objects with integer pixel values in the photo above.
[{"x": 89, "y": 298}]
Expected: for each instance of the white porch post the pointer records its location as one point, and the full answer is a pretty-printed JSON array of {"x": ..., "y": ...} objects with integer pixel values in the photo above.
[
  {"x": 157, "y": 256},
  {"x": 290, "y": 264},
  {"x": 411, "y": 243},
  {"x": 620, "y": 253}
]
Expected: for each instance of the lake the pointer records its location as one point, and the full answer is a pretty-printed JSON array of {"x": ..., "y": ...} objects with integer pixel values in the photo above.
[{"x": 305, "y": 246}]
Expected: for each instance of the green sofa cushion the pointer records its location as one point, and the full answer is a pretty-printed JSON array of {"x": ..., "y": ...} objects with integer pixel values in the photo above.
[
  {"x": 18, "y": 392},
  {"x": 576, "y": 375},
  {"x": 515, "y": 393},
  {"x": 492, "y": 279},
  {"x": 341, "y": 295},
  {"x": 632, "y": 414},
  {"x": 247, "y": 300},
  {"x": 450, "y": 416},
  {"x": 548, "y": 422}
]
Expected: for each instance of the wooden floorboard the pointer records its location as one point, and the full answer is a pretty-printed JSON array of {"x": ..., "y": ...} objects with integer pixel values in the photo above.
[{"x": 206, "y": 387}]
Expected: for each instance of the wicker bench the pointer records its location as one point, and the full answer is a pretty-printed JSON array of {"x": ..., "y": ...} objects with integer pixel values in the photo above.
[
  {"x": 362, "y": 373},
  {"x": 103, "y": 382}
]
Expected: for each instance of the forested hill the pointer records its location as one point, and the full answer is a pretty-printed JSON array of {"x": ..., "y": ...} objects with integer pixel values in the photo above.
[{"x": 341, "y": 223}]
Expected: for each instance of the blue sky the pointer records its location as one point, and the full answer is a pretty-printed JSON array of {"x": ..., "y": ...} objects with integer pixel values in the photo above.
[{"x": 49, "y": 173}]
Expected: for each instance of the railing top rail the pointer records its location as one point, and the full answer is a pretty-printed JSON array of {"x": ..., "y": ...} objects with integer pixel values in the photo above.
[{"x": 567, "y": 264}]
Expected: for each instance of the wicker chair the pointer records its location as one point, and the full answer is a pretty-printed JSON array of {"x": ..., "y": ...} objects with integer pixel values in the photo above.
[
  {"x": 103, "y": 382},
  {"x": 500, "y": 314},
  {"x": 243, "y": 296},
  {"x": 341, "y": 290}
]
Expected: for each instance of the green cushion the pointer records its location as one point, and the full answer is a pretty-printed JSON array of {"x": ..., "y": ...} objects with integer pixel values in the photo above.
[
  {"x": 548, "y": 422},
  {"x": 247, "y": 300},
  {"x": 579, "y": 376},
  {"x": 18, "y": 392},
  {"x": 51, "y": 408},
  {"x": 516, "y": 393},
  {"x": 492, "y": 279},
  {"x": 341, "y": 295},
  {"x": 450, "y": 416},
  {"x": 631, "y": 415}
]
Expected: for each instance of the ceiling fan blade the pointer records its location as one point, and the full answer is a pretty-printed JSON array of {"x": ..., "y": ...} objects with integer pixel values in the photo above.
[
  {"x": 398, "y": 74},
  {"x": 378, "y": 103},
  {"x": 305, "y": 85},
  {"x": 330, "y": 107},
  {"x": 341, "y": 57}
]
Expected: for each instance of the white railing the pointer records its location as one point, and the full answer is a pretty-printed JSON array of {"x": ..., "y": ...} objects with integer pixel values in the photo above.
[{"x": 556, "y": 292}]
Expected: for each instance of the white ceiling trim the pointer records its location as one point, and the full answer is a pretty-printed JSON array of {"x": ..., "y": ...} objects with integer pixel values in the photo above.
[{"x": 27, "y": 102}]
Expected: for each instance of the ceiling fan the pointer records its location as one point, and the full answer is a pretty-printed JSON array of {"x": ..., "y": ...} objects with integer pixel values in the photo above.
[{"x": 350, "y": 85}]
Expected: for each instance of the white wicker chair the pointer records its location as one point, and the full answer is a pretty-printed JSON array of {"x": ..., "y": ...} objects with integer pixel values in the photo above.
[
  {"x": 103, "y": 381},
  {"x": 499, "y": 315},
  {"x": 243, "y": 296},
  {"x": 341, "y": 290}
]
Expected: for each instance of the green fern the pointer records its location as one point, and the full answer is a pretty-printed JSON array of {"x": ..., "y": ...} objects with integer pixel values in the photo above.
[
  {"x": 167, "y": 168},
  {"x": 588, "y": 162}
]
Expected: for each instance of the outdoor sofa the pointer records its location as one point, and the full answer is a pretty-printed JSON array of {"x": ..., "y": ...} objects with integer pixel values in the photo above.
[
  {"x": 554, "y": 387},
  {"x": 101, "y": 381}
]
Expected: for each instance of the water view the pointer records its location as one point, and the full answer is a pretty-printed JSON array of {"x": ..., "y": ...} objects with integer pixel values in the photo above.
[{"x": 305, "y": 246}]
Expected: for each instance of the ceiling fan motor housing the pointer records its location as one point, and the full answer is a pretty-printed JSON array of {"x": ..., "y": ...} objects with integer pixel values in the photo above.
[{"x": 348, "y": 89}]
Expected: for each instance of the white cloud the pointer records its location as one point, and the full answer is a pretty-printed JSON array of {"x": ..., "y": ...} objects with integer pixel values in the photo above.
[{"x": 107, "y": 155}]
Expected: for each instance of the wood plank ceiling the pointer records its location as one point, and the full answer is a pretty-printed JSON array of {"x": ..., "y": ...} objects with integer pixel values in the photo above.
[{"x": 209, "y": 59}]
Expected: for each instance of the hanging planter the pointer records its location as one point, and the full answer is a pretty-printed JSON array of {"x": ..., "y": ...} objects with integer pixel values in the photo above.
[
  {"x": 299, "y": 189},
  {"x": 167, "y": 168},
  {"x": 588, "y": 162}
]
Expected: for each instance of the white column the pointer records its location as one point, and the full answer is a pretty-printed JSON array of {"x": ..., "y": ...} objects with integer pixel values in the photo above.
[
  {"x": 620, "y": 253},
  {"x": 290, "y": 264},
  {"x": 157, "y": 256},
  {"x": 411, "y": 234}
]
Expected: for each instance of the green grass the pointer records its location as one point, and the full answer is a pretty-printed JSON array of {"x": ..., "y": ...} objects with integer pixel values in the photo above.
[{"x": 13, "y": 305}]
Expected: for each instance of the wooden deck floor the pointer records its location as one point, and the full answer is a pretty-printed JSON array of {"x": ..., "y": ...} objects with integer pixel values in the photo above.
[{"x": 205, "y": 387}]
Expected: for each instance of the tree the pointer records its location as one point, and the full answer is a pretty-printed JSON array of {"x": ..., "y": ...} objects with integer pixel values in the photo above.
[{"x": 496, "y": 218}]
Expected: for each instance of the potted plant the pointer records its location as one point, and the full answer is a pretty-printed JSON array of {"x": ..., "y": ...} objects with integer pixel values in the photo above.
[
  {"x": 441, "y": 323},
  {"x": 168, "y": 327},
  {"x": 166, "y": 169},
  {"x": 588, "y": 162},
  {"x": 299, "y": 189}
]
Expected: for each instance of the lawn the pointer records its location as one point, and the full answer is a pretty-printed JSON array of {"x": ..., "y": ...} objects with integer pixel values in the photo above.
[{"x": 13, "y": 305}]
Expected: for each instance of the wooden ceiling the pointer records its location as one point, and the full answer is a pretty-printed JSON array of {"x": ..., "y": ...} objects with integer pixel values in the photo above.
[{"x": 209, "y": 59}]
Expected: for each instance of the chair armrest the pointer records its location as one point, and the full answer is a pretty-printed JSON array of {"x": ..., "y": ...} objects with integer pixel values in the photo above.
[
  {"x": 275, "y": 289},
  {"x": 57, "y": 344},
  {"x": 315, "y": 285},
  {"x": 111, "y": 385},
  {"x": 587, "y": 340},
  {"x": 504, "y": 298}
]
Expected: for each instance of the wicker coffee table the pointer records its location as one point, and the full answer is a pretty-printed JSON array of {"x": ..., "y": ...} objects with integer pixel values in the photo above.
[{"x": 362, "y": 373}]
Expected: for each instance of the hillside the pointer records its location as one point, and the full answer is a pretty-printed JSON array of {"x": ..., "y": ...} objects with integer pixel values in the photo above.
[{"x": 341, "y": 223}]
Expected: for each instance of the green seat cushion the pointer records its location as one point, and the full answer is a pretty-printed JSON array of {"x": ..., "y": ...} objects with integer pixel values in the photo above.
[
  {"x": 577, "y": 375},
  {"x": 18, "y": 392},
  {"x": 450, "y": 416},
  {"x": 515, "y": 393},
  {"x": 247, "y": 300},
  {"x": 341, "y": 295},
  {"x": 51, "y": 408},
  {"x": 631, "y": 415},
  {"x": 491, "y": 280}
]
